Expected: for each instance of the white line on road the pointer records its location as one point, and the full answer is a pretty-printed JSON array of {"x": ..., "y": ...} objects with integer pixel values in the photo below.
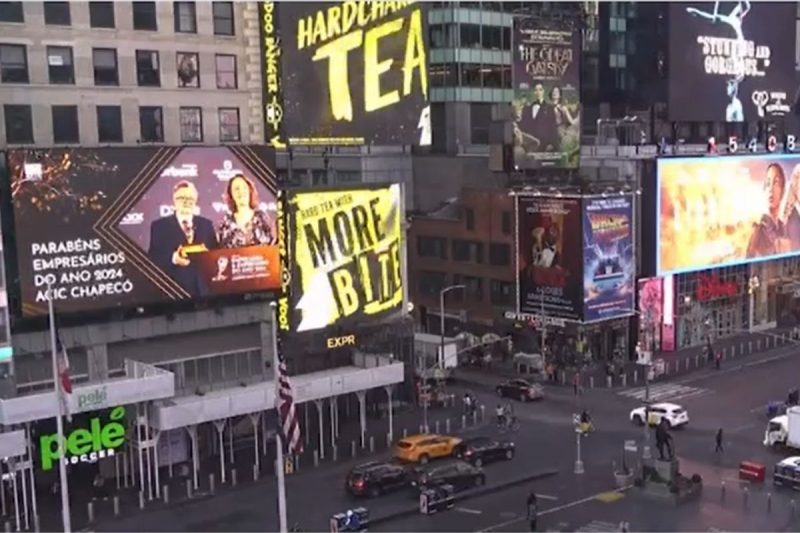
[
  {"x": 469, "y": 511},
  {"x": 546, "y": 497}
]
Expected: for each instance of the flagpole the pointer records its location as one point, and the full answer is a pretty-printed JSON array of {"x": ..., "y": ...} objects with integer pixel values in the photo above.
[
  {"x": 62, "y": 465},
  {"x": 279, "y": 466}
]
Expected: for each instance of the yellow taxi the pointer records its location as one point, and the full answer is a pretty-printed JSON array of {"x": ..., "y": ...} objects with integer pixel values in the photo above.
[{"x": 423, "y": 448}]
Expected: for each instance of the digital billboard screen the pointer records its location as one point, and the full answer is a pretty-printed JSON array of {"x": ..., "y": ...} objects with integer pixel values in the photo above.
[
  {"x": 731, "y": 61},
  {"x": 549, "y": 258},
  {"x": 546, "y": 106},
  {"x": 365, "y": 65},
  {"x": 721, "y": 211},
  {"x": 347, "y": 257},
  {"x": 609, "y": 261},
  {"x": 119, "y": 227}
]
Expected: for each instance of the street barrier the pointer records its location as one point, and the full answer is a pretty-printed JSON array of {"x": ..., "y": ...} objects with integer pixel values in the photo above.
[
  {"x": 165, "y": 493},
  {"x": 90, "y": 511}
]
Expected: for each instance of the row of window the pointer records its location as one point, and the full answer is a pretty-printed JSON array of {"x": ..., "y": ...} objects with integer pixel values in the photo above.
[
  {"x": 61, "y": 67},
  {"x": 464, "y": 251},
  {"x": 145, "y": 17},
  {"x": 470, "y": 36},
  {"x": 66, "y": 128},
  {"x": 471, "y": 75},
  {"x": 430, "y": 283}
]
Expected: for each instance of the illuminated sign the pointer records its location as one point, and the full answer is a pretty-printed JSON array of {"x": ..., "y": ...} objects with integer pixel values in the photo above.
[
  {"x": 341, "y": 342},
  {"x": 273, "y": 100},
  {"x": 710, "y": 287},
  {"x": 85, "y": 445}
]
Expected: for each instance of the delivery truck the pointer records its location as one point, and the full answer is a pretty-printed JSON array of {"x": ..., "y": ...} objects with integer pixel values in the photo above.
[{"x": 784, "y": 430}]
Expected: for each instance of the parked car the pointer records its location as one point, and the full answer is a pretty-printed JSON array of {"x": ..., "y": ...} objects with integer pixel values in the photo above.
[
  {"x": 521, "y": 389},
  {"x": 674, "y": 414},
  {"x": 423, "y": 448},
  {"x": 375, "y": 478},
  {"x": 460, "y": 474},
  {"x": 787, "y": 473},
  {"x": 481, "y": 450}
]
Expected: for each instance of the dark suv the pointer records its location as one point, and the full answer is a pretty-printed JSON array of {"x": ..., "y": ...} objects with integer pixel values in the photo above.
[
  {"x": 481, "y": 450},
  {"x": 374, "y": 478}
]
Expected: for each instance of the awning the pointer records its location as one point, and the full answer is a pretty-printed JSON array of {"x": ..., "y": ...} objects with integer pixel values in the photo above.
[{"x": 12, "y": 444}]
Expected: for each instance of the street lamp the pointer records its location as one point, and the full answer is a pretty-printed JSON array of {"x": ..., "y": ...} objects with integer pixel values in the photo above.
[
  {"x": 752, "y": 286},
  {"x": 441, "y": 314}
]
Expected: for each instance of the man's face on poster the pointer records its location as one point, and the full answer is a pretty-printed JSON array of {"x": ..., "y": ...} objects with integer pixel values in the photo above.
[
  {"x": 538, "y": 92},
  {"x": 185, "y": 201}
]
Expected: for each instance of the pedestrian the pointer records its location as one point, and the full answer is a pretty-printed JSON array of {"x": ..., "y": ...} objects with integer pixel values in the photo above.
[
  {"x": 718, "y": 447},
  {"x": 575, "y": 383},
  {"x": 717, "y": 360},
  {"x": 533, "y": 510},
  {"x": 467, "y": 402}
]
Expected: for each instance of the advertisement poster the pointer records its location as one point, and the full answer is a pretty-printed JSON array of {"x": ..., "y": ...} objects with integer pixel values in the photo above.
[
  {"x": 722, "y": 211},
  {"x": 366, "y": 65},
  {"x": 119, "y": 227},
  {"x": 549, "y": 237},
  {"x": 547, "y": 107},
  {"x": 348, "y": 266},
  {"x": 731, "y": 61},
  {"x": 609, "y": 262},
  {"x": 272, "y": 73},
  {"x": 650, "y": 313}
]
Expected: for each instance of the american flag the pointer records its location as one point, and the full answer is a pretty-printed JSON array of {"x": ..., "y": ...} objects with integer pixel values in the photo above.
[
  {"x": 286, "y": 409},
  {"x": 64, "y": 381}
]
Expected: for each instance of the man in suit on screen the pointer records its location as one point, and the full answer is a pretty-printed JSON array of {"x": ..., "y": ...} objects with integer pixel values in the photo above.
[{"x": 174, "y": 238}]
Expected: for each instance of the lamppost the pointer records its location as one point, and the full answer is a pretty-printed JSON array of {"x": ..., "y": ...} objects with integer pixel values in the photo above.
[
  {"x": 752, "y": 286},
  {"x": 441, "y": 314},
  {"x": 647, "y": 363}
]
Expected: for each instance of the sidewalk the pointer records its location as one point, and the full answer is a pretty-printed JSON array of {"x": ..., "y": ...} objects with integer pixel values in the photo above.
[
  {"x": 405, "y": 422},
  {"x": 678, "y": 363}
]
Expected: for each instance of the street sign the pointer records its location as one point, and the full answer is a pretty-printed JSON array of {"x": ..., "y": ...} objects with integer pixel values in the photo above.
[{"x": 630, "y": 446}]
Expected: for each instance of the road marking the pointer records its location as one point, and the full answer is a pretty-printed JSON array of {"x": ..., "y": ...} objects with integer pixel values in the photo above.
[
  {"x": 551, "y": 510},
  {"x": 609, "y": 497},
  {"x": 665, "y": 392},
  {"x": 599, "y": 526},
  {"x": 546, "y": 497},
  {"x": 469, "y": 511}
]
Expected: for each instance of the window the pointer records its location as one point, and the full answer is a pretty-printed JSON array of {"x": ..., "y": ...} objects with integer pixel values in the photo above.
[
  {"x": 443, "y": 75},
  {"x": 470, "y": 36},
  {"x": 431, "y": 247},
  {"x": 144, "y": 16},
  {"x": 191, "y": 124},
  {"x": 59, "y": 65},
  {"x": 480, "y": 116},
  {"x": 101, "y": 14},
  {"x": 188, "y": 69},
  {"x": 492, "y": 37},
  {"x": 226, "y": 71},
  {"x": 430, "y": 282},
  {"x": 505, "y": 223},
  {"x": 105, "y": 66},
  {"x": 185, "y": 17},
  {"x": 223, "y": 18},
  {"x": 151, "y": 124},
  {"x": 442, "y": 35},
  {"x": 469, "y": 217},
  {"x": 65, "y": 124},
  {"x": 501, "y": 292},
  {"x": 470, "y": 75},
  {"x": 473, "y": 287},
  {"x": 229, "y": 124},
  {"x": 147, "y": 73},
  {"x": 499, "y": 254},
  {"x": 11, "y": 12},
  {"x": 109, "y": 124},
  {"x": 57, "y": 14},
  {"x": 467, "y": 251},
  {"x": 13, "y": 63},
  {"x": 19, "y": 124},
  {"x": 492, "y": 76}
]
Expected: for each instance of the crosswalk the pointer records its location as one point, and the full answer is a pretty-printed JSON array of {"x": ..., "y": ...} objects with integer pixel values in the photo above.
[
  {"x": 599, "y": 526},
  {"x": 665, "y": 392}
]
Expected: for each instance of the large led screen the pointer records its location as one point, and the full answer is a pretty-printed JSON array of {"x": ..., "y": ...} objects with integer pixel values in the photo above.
[
  {"x": 719, "y": 211},
  {"x": 731, "y": 61},
  {"x": 549, "y": 259},
  {"x": 609, "y": 262},
  {"x": 347, "y": 262},
  {"x": 119, "y": 227},
  {"x": 352, "y": 72},
  {"x": 547, "y": 107}
]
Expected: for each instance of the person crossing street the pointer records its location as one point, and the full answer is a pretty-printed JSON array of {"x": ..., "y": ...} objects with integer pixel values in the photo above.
[
  {"x": 718, "y": 438},
  {"x": 533, "y": 510}
]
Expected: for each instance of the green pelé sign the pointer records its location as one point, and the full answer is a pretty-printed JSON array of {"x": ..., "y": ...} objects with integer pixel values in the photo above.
[{"x": 85, "y": 445}]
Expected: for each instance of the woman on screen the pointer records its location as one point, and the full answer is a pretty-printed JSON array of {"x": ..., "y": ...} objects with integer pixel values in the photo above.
[{"x": 244, "y": 224}]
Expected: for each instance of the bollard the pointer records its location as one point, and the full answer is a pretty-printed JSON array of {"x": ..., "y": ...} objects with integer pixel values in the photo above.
[
  {"x": 233, "y": 477},
  {"x": 758, "y": 345},
  {"x": 90, "y": 511},
  {"x": 405, "y": 432},
  {"x": 316, "y": 458},
  {"x": 388, "y": 441},
  {"x": 677, "y": 366},
  {"x": 463, "y": 421},
  {"x": 635, "y": 377},
  {"x": 372, "y": 443},
  {"x": 563, "y": 378},
  {"x": 624, "y": 380},
  {"x": 722, "y": 491},
  {"x": 255, "y": 471},
  {"x": 769, "y": 502},
  {"x": 447, "y": 426},
  {"x": 745, "y": 496},
  {"x": 421, "y": 429},
  {"x": 165, "y": 493},
  {"x": 296, "y": 462},
  {"x": 116, "y": 506},
  {"x": 749, "y": 346},
  {"x": 353, "y": 448},
  {"x": 141, "y": 499},
  {"x": 697, "y": 360},
  {"x": 608, "y": 381},
  {"x": 8, "y": 526},
  {"x": 793, "y": 508},
  {"x": 436, "y": 427},
  {"x": 335, "y": 450},
  {"x": 189, "y": 489},
  {"x": 591, "y": 382},
  {"x": 687, "y": 365},
  {"x": 483, "y": 413},
  {"x": 212, "y": 485}
]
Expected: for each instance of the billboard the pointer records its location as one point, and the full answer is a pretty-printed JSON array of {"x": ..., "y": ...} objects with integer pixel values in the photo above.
[
  {"x": 549, "y": 256},
  {"x": 271, "y": 72},
  {"x": 731, "y": 61},
  {"x": 366, "y": 65},
  {"x": 347, "y": 250},
  {"x": 609, "y": 262},
  {"x": 722, "y": 211},
  {"x": 546, "y": 106},
  {"x": 120, "y": 227}
]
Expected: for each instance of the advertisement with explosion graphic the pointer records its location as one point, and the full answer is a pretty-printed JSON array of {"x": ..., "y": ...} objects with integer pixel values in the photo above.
[{"x": 608, "y": 257}]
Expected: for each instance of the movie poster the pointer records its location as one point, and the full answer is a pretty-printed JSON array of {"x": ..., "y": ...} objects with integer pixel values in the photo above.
[
  {"x": 365, "y": 65},
  {"x": 549, "y": 258},
  {"x": 650, "y": 313},
  {"x": 723, "y": 211},
  {"x": 120, "y": 227},
  {"x": 731, "y": 61},
  {"x": 546, "y": 106},
  {"x": 348, "y": 262},
  {"x": 609, "y": 277}
]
